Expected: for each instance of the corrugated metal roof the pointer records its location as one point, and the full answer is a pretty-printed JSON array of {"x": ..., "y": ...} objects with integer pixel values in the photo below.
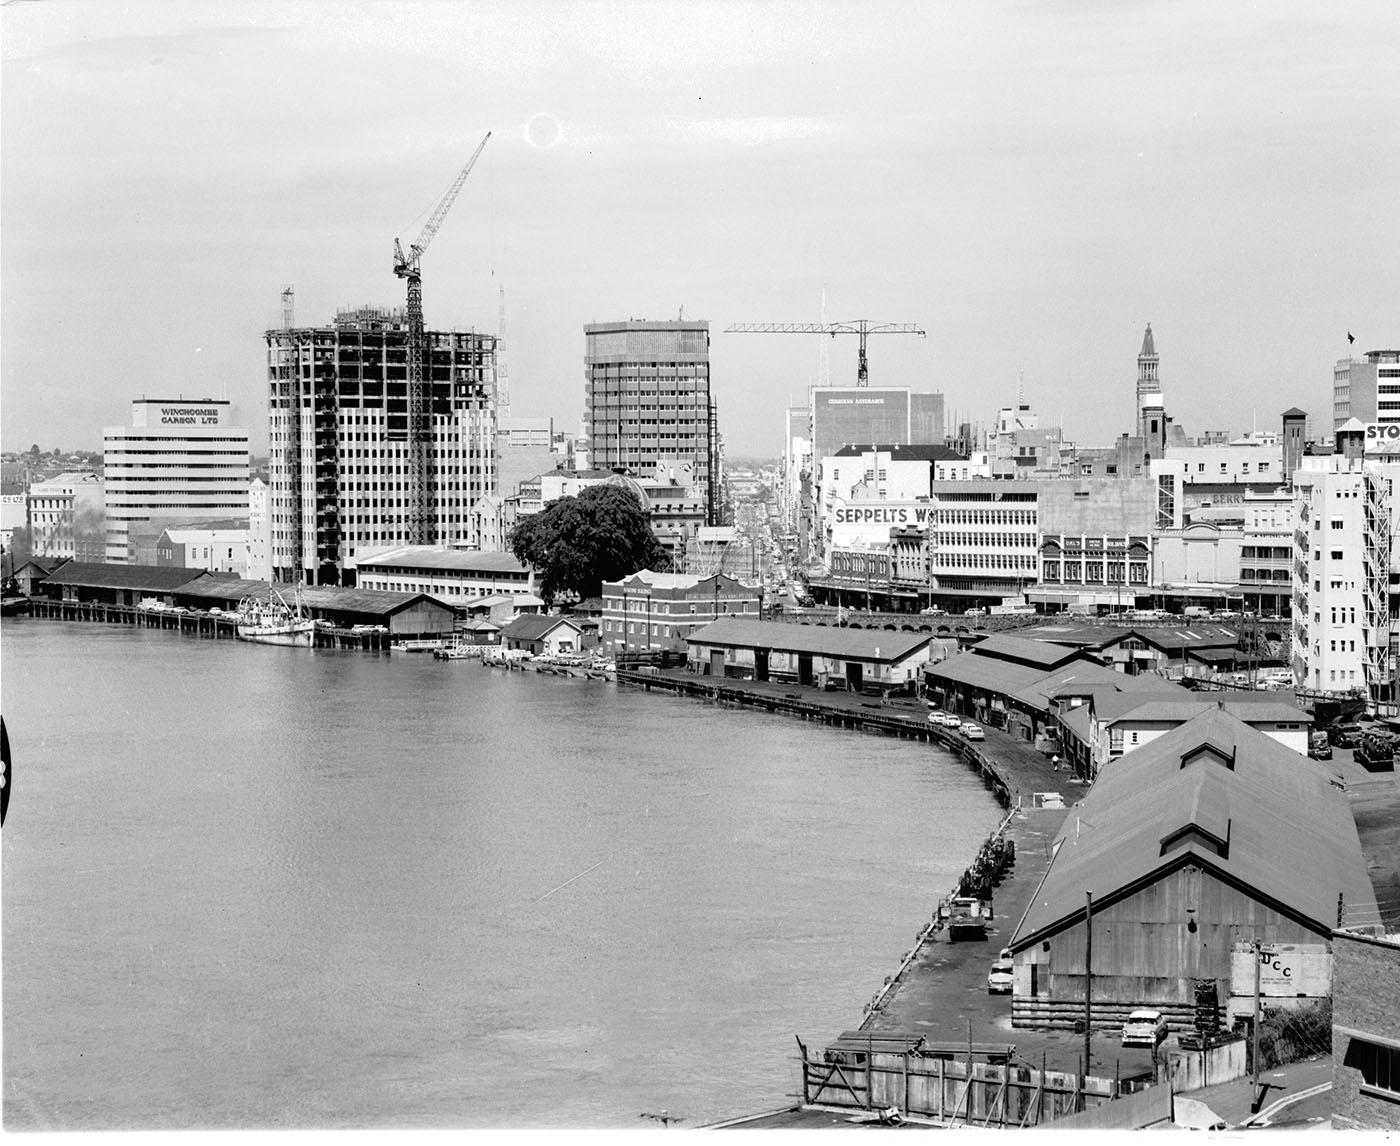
[
  {"x": 984, "y": 672},
  {"x": 1080, "y": 636},
  {"x": 1249, "y": 711},
  {"x": 1291, "y": 832},
  {"x": 1186, "y": 637},
  {"x": 1045, "y": 654},
  {"x": 327, "y": 598},
  {"x": 97, "y": 575},
  {"x": 825, "y": 640},
  {"x": 1081, "y": 677},
  {"x": 457, "y": 560},
  {"x": 534, "y": 627}
]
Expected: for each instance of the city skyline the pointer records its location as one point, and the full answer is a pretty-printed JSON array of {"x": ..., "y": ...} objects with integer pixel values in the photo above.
[{"x": 169, "y": 169}]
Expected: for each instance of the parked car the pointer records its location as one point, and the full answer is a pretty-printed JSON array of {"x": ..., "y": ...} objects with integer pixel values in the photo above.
[
  {"x": 1000, "y": 978},
  {"x": 973, "y": 731},
  {"x": 1144, "y": 1028},
  {"x": 933, "y": 611}
]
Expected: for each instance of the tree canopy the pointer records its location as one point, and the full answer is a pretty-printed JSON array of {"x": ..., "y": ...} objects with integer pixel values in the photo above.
[{"x": 577, "y": 543}]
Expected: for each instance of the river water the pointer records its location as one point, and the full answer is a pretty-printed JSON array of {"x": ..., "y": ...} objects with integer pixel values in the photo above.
[{"x": 246, "y": 886}]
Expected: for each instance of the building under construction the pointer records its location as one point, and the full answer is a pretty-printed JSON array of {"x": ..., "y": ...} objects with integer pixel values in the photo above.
[{"x": 340, "y": 449}]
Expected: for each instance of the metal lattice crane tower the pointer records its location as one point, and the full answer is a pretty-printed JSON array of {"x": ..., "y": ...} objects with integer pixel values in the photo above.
[
  {"x": 860, "y": 326},
  {"x": 421, "y": 472}
]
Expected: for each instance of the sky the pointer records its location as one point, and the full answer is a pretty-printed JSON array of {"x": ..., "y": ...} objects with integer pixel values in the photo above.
[{"x": 1030, "y": 183}]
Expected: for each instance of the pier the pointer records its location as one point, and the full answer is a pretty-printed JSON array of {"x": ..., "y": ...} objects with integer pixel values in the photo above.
[{"x": 211, "y": 626}]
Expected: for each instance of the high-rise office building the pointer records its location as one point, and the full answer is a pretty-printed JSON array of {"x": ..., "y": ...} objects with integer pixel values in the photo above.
[
  {"x": 647, "y": 401},
  {"x": 179, "y": 461},
  {"x": 887, "y": 416},
  {"x": 339, "y": 454},
  {"x": 1366, "y": 388}
]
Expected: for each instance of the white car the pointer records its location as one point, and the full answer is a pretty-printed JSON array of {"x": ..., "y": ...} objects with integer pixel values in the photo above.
[
  {"x": 1144, "y": 1027},
  {"x": 1000, "y": 978},
  {"x": 973, "y": 731}
]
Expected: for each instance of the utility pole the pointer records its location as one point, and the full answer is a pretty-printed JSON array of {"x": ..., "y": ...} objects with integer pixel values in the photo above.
[
  {"x": 1254, "y": 1027},
  {"x": 1088, "y": 976}
]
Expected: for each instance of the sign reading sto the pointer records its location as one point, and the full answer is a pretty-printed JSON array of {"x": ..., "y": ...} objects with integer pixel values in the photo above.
[{"x": 1382, "y": 438}]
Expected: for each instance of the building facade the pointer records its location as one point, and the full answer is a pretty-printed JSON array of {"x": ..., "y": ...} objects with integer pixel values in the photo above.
[
  {"x": 178, "y": 461},
  {"x": 1366, "y": 388},
  {"x": 648, "y": 403},
  {"x": 65, "y": 517},
  {"x": 217, "y": 550},
  {"x": 1342, "y": 556},
  {"x": 652, "y": 611},
  {"x": 340, "y": 459},
  {"x": 454, "y": 576}
]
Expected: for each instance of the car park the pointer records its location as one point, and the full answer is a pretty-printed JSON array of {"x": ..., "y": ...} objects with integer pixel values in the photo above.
[
  {"x": 1001, "y": 977},
  {"x": 1144, "y": 1027}
]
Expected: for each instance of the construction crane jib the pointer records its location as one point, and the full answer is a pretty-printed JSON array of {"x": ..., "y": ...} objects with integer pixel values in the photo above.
[
  {"x": 860, "y": 326},
  {"x": 421, "y": 484}
]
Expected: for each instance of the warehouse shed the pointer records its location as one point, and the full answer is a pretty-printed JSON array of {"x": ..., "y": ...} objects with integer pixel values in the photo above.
[{"x": 1211, "y": 835}]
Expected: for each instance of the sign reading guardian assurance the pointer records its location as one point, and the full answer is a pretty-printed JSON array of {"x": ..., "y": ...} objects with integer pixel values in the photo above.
[
  {"x": 1382, "y": 438},
  {"x": 871, "y": 522}
]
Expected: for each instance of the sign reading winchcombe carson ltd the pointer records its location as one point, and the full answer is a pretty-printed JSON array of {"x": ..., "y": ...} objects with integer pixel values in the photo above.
[{"x": 188, "y": 415}]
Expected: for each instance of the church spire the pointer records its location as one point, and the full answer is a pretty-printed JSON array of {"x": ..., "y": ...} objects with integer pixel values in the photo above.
[{"x": 1148, "y": 349}]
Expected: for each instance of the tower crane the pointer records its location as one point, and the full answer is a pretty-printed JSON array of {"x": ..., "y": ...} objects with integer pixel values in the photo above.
[
  {"x": 421, "y": 475},
  {"x": 861, "y": 326}
]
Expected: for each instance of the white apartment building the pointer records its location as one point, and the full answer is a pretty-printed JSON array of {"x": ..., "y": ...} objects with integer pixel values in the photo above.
[
  {"x": 1342, "y": 557},
  {"x": 217, "y": 550},
  {"x": 179, "y": 460},
  {"x": 65, "y": 517},
  {"x": 453, "y": 576}
]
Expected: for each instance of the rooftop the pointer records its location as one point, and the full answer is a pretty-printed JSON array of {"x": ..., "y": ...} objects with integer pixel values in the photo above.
[
  {"x": 1213, "y": 778},
  {"x": 827, "y": 640},
  {"x": 438, "y": 557}
]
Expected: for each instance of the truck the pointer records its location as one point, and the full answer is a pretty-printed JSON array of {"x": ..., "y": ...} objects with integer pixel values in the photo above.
[
  {"x": 1319, "y": 747},
  {"x": 1375, "y": 751},
  {"x": 1013, "y": 609}
]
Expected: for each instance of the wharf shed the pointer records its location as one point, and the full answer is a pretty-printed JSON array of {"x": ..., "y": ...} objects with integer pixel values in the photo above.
[
  {"x": 826, "y": 656},
  {"x": 1118, "y": 723},
  {"x": 407, "y": 616},
  {"x": 1212, "y": 835},
  {"x": 1022, "y": 685},
  {"x": 34, "y": 572},
  {"x": 1171, "y": 650},
  {"x": 101, "y": 583},
  {"x": 542, "y": 636}
]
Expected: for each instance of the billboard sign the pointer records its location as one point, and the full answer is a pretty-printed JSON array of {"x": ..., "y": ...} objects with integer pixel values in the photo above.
[
  {"x": 870, "y": 522},
  {"x": 1286, "y": 970},
  {"x": 1382, "y": 438}
]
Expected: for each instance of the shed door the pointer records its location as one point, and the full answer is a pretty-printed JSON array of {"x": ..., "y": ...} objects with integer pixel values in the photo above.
[
  {"x": 804, "y": 668},
  {"x": 760, "y": 664},
  {"x": 716, "y": 662},
  {"x": 855, "y": 675}
]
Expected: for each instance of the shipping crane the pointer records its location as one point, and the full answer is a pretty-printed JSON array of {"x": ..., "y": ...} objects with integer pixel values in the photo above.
[
  {"x": 860, "y": 326},
  {"x": 421, "y": 472}
]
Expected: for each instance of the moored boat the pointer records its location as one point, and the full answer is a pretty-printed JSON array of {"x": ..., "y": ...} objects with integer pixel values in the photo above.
[{"x": 271, "y": 621}]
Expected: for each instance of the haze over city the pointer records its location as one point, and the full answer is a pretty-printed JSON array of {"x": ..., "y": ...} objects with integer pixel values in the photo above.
[{"x": 1031, "y": 184}]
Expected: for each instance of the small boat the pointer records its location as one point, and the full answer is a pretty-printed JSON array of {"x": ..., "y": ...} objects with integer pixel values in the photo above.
[{"x": 271, "y": 621}]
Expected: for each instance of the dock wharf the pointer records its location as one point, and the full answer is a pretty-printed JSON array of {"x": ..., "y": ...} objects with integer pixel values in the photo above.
[
  {"x": 1013, "y": 770},
  {"x": 199, "y": 624}
]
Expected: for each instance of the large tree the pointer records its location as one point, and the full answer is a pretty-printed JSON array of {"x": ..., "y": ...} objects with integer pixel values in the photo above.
[{"x": 577, "y": 543}]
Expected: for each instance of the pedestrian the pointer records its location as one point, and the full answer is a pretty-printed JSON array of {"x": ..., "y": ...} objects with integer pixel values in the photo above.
[{"x": 1055, "y": 760}]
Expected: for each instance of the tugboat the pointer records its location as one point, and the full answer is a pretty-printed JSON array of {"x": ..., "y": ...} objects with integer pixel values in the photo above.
[
  {"x": 967, "y": 919},
  {"x": 271, "y": 621}
]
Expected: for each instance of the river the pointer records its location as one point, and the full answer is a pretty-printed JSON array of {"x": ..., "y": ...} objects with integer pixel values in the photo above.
[{"x": 255, "y": 887}]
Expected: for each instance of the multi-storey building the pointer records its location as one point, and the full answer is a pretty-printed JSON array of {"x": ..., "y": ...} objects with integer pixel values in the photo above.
[
  {"x": 985, "y": 538},
  {"x": 1341, "y": 579},
  {"x": 340, "y": 456},
  {"x": 648, "y": 401},
  {"x": 217, "y": 550},
  {"x": 259, "y": 532},
  {"x": 659, "y": 610},
  {"x": 64, "y": 517},
  {"x": 454, "y": 576},
  {"x": 178, "y": 461},
  {"x": 1366, "y": 388}
]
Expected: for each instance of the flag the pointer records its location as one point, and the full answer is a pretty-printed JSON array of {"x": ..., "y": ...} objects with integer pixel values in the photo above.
[{"x": 1350, "y": 338}]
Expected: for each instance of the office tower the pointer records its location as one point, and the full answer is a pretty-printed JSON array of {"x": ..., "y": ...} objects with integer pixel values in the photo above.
[
  {"x": 1366, "y": 388},
  {"x": 179, "y": 461},
  {"x": 647, "y": 401},
  {"x": 339, "y": 451}
]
